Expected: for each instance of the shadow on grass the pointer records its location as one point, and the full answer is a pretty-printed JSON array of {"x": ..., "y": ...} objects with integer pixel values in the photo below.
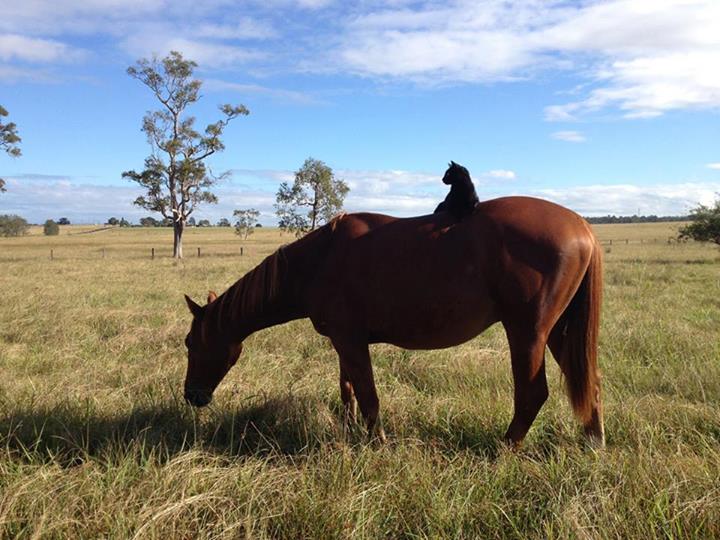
[{"x": 71, "y": 433}]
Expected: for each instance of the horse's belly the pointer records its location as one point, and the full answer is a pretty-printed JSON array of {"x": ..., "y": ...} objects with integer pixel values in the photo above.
[
  {"x": 439, "y": 339},
  {"x": 435, "y": 327}
]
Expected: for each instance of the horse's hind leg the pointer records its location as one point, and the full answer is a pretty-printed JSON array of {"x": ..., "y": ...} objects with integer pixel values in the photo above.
[
  {"x": 348, "y": 398},
  {"x": 594, "y": 428},
  {"x": 527, "y": 353},
  {"x": 355, "y": 364}
]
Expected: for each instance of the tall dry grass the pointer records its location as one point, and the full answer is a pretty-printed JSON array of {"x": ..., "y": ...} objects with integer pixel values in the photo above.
[{"x": 95, "y": 440}]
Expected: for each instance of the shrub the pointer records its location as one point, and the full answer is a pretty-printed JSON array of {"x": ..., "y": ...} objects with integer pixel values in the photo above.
[
  {"x": 51, "y": 228},
  {"x": 12, "y": 225},
  {"x": 705, "y": 226}
]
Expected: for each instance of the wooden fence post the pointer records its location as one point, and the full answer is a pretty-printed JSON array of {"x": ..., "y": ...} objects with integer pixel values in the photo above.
[
  {"x": 241, "y": 251},
  {"x": 198, "y": 252},
  {"x": 51, "y": 254},
  {"x": 152, "y": 253}
]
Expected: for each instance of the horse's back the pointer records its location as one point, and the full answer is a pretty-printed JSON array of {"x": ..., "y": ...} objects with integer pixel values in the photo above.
[{"x": 535, "y": 217}]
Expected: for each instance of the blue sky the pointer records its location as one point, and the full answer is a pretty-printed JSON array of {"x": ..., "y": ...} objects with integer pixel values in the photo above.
[{"x": 604, "y": 106}]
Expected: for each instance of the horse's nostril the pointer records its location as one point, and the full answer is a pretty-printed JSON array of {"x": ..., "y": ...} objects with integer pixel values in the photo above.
[{"x": 198, "y": 398}]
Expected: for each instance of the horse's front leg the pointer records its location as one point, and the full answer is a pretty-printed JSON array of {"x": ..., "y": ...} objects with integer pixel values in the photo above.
[{"x": 355, "y": 366}]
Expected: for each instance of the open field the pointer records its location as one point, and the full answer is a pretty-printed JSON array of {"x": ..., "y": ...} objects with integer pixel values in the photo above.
[{"x": 95, "y": 440}]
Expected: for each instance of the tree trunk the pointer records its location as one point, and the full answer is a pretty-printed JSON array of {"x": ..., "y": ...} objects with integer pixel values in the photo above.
[
  {"x": 177, "y": 239},
  {"x": 314, "y": 210}
]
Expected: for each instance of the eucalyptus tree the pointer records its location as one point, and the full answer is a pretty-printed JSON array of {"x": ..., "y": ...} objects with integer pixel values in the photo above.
[
  {"x": 313, "y": 199},
  {"x": 246, "y": 221},
  {"x": 176, "y": 178},
  {"x": 9, "y": 140}
]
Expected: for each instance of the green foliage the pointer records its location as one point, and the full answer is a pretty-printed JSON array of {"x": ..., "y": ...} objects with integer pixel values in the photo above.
[
  {"x": 204, "y": 223},
  {"x": 12, "y": 225},
  {"x": 224, "y": 222},
  {"x": 705, "y": 226},
  {"x": 9, "y": 140},
  {"x": 314, "y": 198},
  {"x": 176, "y": 178},
  {"x": 124, "y": 222},
  {"x": 63, "y": 221},
  {"x": 150, "y": 221},
  {"x": 113, "y": 221},
  {"x": 246, "y": 221},
  {"x": 51, "y": 228}
]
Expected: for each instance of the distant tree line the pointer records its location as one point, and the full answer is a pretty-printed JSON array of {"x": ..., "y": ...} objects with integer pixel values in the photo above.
[
  {"x": 150, "y": 221},
  {"x": 636, "y": 219}
]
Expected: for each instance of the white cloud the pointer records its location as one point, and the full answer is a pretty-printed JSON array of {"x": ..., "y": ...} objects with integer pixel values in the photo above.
[
  {"x": 641, "y": 57},
  {"x": 17, "y": 47},
  {"x": 139, "y": 27},
  {"x": 713, "y": 166},
  {"x": 207, "y": 54},
  {"x": 644, "y": 57},
  {"x": 314, "y": 4},
  {"x": 647, "y": 87},
  {"x": 13, "y": 74},
  {"x": 628, "y": 199},
  {"x": 501, "y": 174},
  {"x": 569, "y": 136},
  {"x": 245, "y": 28},
  {"x": 278, "y": 93},
  {"x": 400, "y": 193}
]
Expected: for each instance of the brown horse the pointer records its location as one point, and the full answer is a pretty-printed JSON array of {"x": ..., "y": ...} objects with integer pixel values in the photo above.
[{"x": 427, "y": 282}]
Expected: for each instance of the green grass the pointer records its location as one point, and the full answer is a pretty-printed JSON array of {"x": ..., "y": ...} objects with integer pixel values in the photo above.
[{"x": 96, "y": 441}]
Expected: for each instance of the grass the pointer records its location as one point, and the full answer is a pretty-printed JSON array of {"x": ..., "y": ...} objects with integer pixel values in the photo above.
[{"x": 95, "y": 440}]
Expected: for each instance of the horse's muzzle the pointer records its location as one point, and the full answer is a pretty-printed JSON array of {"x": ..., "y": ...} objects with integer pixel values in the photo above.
[{"x": 198, "y": 398}]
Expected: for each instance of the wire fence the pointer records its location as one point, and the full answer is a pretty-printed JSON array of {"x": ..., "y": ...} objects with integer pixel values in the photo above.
[
  {"x": 151, "y": 253},
  {"x": 130, "y": 252},
  {"x": 648, "y": 241}
]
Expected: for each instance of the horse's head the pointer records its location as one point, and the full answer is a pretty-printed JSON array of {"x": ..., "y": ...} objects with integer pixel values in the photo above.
[
  {"x": 210, "y": 356},
  {"x": 454, "y": 173}
]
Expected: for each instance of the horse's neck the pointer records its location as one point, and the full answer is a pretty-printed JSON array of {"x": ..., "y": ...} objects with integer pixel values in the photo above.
[
  {"x": 273, "y": 292},
  {"x": 268, "y": 295}
]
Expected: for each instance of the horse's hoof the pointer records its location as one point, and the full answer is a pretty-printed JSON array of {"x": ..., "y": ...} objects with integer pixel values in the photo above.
[
  {"x": 596, "y": 442},
  {"x": 377, "y": 437}
]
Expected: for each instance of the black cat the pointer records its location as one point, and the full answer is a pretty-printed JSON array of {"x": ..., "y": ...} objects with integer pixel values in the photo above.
[{"x": 461, "y": 200}]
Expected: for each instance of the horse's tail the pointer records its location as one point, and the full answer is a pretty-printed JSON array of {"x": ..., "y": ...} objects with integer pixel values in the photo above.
[{"x": 580, "y": 343}]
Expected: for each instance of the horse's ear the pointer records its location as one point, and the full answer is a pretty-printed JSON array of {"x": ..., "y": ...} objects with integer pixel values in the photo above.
[
  {"x": 212, "y": 296},
  {"x": 453, "y": 164},
  {"x": 195, "y": 309}
]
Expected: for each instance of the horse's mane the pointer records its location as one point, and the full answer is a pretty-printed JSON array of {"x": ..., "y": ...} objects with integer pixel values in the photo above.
[{"x": 249, "y": 295}]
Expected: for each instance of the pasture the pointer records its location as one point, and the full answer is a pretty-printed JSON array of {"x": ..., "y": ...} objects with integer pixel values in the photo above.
[{"x": 96, "y": 441}]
